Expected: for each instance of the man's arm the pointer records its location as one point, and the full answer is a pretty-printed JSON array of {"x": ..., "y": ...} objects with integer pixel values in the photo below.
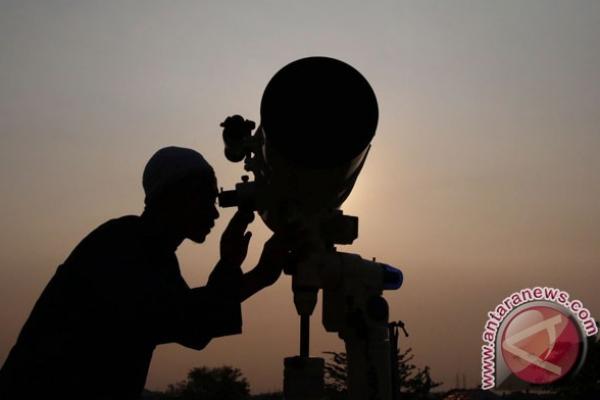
[
  {"x": 273, "y": 258},
  {"x": 228, "y": 286},
  {"x": 227, "y": 274},
  {"x": 234, "y": 247}
]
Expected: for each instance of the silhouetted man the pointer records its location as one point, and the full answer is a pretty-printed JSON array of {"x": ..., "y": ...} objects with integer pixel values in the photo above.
[{"x": 120, "y": 293}]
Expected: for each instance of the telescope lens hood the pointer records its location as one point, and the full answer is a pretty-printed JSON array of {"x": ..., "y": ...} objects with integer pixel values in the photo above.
[{"x": 319, "y": 112}]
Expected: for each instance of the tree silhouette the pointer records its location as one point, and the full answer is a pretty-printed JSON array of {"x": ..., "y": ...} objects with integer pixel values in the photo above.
[
  {"x": 223, "y": 383},
  {"x": 413, "y": 382}
]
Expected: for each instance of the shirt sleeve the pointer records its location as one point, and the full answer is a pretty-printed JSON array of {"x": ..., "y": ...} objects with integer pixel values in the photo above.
[
  {"x": 211, "y": 315},
  {"x": 192, "y": 317},
  {"x": 134, "y": 292},
  {"x": 147, "y": 306}
]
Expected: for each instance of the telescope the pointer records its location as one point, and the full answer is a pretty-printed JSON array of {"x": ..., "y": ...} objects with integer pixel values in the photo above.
[{"x": 318, "y": 116}]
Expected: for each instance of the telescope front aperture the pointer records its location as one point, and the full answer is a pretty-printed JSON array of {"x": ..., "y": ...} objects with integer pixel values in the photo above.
[{"x": 319, "y": 112}]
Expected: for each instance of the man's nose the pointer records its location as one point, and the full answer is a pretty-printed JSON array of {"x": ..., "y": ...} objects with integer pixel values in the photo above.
[{"x": 215, "y": 213}]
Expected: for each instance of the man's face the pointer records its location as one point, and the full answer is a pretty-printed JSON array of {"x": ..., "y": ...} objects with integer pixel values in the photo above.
[{"x": 200, "y": 210}]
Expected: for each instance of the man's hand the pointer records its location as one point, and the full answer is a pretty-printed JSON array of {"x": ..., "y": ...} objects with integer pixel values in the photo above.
[
  {"x": 235, "y": 239},
  {"x": 272, "y": 260},
  {"x": 268, "y": 270},
  {"x": 277, "y": 253}
]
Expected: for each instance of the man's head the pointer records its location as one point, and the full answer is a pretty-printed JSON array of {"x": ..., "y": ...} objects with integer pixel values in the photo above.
[{"x": 181, "y": 186}]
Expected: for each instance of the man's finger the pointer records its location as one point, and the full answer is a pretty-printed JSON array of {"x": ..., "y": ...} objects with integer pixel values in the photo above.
[{"x": 239, "y": 222}]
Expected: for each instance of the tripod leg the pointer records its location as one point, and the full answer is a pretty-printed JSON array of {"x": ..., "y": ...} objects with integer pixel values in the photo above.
[
  {"x": 368, "y": 352},
  {"x": 304, "y": 335}
]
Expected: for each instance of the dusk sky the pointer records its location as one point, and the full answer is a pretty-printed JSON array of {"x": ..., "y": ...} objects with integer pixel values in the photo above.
[{"x": 483, "y": 178}]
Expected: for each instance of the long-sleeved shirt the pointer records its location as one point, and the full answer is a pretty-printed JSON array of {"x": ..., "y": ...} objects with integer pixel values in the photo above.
[{"x": 120, "y": 293}]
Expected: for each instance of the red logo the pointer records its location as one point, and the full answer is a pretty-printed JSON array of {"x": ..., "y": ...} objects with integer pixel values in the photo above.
[{"x": 541, "y": 344}]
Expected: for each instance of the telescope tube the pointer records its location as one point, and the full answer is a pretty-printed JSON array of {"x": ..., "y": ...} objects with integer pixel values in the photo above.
[{"x": 318, "y": 117}]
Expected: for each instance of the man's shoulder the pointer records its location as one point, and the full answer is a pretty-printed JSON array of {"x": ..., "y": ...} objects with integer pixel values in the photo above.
[
  {"x": 116, "y": 230},
  {"x": 125, "y": 225},
  {"x": 117, "y": 235}
]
